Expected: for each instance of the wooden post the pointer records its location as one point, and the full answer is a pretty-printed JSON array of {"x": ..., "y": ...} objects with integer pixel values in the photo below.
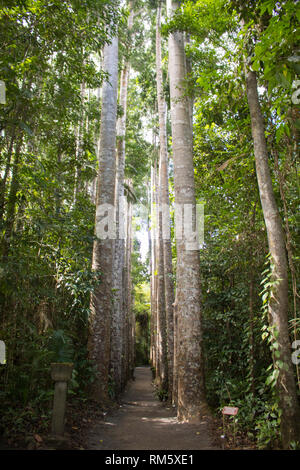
[{"x": 61, "y": 374}]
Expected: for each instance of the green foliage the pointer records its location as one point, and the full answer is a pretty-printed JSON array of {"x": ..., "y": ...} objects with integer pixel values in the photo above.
[
  {"x": 162, "y": 394},
  {"x": 61, "y": 346},
  {"x": 201, "y": 18},
  {"x": 141, "y": 306},
  {"x": 50, "y": 123},
  {"x": 142, "y": 318},
  {"x": 268, "y": 426}
]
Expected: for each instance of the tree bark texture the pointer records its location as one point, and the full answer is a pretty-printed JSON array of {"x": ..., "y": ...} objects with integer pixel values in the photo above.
[
  {"x": 118, "y": 317},
  {"x": 164, "y": 202},
  {"x": 191, "y": 394},
  {"x": 103, "y": 250}
]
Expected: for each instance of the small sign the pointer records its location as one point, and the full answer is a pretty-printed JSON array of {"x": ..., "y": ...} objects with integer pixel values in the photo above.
[{"x": 230, "y": 410}]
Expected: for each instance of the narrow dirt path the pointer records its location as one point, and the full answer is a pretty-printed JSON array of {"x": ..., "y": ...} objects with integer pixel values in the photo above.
[{"x": 144, "y": 423}]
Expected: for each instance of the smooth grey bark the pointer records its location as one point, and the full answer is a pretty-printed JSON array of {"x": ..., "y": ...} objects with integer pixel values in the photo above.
[
  {"x": 103, "y": 249},
  {"x": 191, "y": 393},
  {"x": 278, "y": 304}
]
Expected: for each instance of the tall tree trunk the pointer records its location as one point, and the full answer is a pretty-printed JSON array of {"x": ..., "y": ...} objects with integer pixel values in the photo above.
[
  {"x": 190, "y": 98},
  {"x": 191, "y": 393},
  {"x": 119, "y": 258},
  {"x": 278, "y": 305},
  {"x": 161, "y": 307},
  {"x": 125, "y": 352},
  {"x": 289, "y": 249},
  {"x": 157, "y": 285},
  {"x": 79, "y": 145},
  {"x": 3, "y": 180},
  {"x": 165, "y": 209},
  {"x": 150, "y": 269},
  {"x": 12, "y": 200},
  {"x": 252, "y": 355},
  {"x": 175, "y": 355},
  {"x": 251, "y": 334},
  {"x": 118, "y": 317},
  {"x": 128, "y": 293},
  {"x": 153, "y": 273},
  {"x": 103, "y": 250},
  {"x": 128, "y": 324}
]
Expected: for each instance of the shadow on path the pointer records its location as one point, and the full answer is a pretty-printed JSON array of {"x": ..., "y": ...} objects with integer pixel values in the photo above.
[{"x": 144, "y": 423}]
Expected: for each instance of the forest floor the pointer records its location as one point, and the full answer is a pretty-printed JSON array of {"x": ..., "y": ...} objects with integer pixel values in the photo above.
[
  {"x": 142, "y": 422},
  {"x": 139, "y": 421}
]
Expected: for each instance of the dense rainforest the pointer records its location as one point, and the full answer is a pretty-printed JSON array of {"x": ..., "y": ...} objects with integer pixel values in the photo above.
[{"x": 149, "y": 201}]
